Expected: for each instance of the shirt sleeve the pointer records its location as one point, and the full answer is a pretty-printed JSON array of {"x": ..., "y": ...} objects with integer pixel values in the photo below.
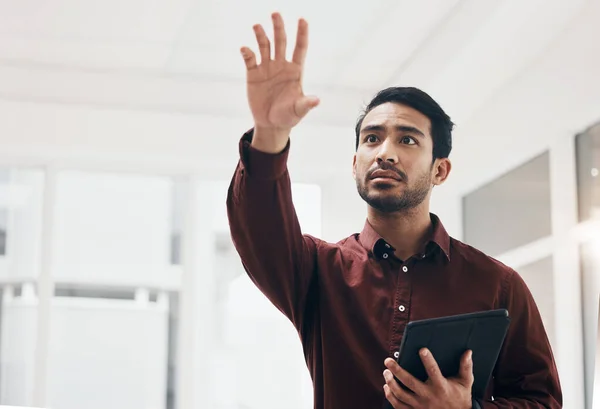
[
  {"x": 265, "y": 230},
  {"x": 526, "y": 376}
]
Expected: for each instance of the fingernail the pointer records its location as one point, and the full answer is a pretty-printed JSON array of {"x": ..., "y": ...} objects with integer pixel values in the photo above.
[{"x": 424, "y": 352}]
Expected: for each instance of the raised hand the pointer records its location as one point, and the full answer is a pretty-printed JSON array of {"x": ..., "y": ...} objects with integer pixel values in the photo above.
[{"x": 274, "y": 86}]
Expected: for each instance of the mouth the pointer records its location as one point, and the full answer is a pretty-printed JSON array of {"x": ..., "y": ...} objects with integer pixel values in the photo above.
[
  {"x": 385, "y": 176},
  {"x": 384, "y": 179}
]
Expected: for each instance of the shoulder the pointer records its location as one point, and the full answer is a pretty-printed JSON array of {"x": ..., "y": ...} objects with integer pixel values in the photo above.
[
  {"x": 347, "y": 247},
  {"x": 483, "y": 268},
  {"x": 478, "y": 262}
]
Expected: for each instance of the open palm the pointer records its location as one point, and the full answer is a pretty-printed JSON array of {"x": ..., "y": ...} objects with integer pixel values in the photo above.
[{"x": 274, "y": 86}]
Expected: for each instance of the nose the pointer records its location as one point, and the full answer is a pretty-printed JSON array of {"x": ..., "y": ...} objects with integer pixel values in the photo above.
[{"x": 387, "y": 153}]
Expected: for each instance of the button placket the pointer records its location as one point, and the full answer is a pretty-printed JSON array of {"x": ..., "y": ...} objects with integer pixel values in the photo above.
[{"x": 401, "y": 306}]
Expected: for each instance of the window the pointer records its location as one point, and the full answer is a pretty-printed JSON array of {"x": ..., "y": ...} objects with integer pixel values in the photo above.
[{"x": 587, "y": 148}]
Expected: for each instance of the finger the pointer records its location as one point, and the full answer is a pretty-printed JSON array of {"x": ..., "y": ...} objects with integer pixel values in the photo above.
[
  {"x": 412, "y": 383},
  {"x": 301, "y": 42},
  {"x": 396, "y": 404},
  {"x": 431, "y": 367},
  {"x": 466, "y": 369},
  {"x": 249, "y": 58},
  {"x": 264, "y": 45},
  {"x": 304, "y": 104},
  {"x": 402, "y": 395},
  {"x": 280, "y": 37}
]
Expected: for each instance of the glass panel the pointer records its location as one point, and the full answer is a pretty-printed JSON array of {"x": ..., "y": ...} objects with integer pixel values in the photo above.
[
  {"x": 587, "y": 146},
  {"x": 590, "y": 270},
  {"x": 21, "y": 196},
  {"x": 511, "y": 211}
]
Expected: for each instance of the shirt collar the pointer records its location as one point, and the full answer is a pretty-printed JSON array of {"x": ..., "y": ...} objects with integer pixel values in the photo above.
[{"x": 377, "y": 245}]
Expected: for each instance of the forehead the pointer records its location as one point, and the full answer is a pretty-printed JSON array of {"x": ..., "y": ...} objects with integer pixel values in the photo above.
[{"x": 391, "y": 114}]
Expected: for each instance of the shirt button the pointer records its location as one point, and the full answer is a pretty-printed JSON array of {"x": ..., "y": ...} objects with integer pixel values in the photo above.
[
  {"x": 385, "y": 255},
  {"x": 401, "y": 308},
  {"x": 405, "y": 269},
  {"x": 396, "y": 354}
]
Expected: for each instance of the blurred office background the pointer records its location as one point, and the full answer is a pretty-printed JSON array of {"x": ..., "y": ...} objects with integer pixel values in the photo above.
[{"x": 119, "y": 124}]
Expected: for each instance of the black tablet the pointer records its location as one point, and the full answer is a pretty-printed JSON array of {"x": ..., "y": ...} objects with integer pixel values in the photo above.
[{"x": 448, "y": 338}]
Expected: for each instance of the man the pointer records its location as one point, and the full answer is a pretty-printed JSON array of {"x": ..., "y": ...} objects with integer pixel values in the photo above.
[{"x": 350, "y": 301}]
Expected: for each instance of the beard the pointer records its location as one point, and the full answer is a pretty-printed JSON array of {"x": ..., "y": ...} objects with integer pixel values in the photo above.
[{"x": 387, "y": 202}]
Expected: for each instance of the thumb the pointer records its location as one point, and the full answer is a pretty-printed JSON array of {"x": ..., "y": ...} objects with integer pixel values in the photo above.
[
  {"x": 304, "y": 104},
  {"x": 466, "y": 368}
]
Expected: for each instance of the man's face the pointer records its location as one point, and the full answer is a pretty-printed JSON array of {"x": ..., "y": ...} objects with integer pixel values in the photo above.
[{"x": 393, "y": 165}]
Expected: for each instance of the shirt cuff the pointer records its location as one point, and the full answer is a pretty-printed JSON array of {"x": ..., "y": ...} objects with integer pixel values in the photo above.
[{"x": 259, "y": 164}]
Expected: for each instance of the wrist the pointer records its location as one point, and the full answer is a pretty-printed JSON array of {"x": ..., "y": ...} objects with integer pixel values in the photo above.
[{"x": 270, "y": 140}]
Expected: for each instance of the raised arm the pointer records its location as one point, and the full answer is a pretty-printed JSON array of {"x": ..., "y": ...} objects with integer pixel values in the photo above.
[{"x": 263, "y": 223}]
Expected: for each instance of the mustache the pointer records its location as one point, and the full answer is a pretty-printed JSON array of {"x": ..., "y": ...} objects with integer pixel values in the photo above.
[{"x": 388, "y": 167}]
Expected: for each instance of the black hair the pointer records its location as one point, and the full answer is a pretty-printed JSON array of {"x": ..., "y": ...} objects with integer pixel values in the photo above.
[{"x": 441, "y": 125}]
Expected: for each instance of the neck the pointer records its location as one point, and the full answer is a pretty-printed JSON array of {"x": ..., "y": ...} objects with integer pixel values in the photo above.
[{"x": 407, "y": 231}]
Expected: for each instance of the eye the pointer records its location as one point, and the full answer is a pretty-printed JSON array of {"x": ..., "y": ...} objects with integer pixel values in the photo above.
[
  {"x": 371, "y": 138},
  {"x": 408, "y": 140}
]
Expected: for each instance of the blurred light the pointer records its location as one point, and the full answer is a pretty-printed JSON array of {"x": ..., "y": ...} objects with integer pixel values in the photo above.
[{"x": 595, "y": 172}]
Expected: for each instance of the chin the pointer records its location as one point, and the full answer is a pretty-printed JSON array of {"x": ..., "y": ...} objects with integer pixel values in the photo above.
[
  {"x": 386, "y": 188},
  {"x": 384, "y": 197}
]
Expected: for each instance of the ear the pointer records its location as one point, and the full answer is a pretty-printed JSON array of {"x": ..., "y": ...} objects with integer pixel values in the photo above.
[
  {"x": 441, "y": 170},
  {"x": 354, "y": 167}
]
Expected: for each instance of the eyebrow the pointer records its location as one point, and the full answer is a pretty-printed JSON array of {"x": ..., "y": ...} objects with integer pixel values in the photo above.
[{"x": 399, "y": 128}]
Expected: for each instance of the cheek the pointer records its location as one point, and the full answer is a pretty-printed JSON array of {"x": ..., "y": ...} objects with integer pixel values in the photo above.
[
  {"x": 361, "y": 172},
  {"x": 360, "y": 168},
  {"x": 418, "y": 171}
]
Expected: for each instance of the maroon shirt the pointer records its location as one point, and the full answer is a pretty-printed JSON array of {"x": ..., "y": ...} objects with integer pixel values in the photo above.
[{"x": 350, "y": 301}]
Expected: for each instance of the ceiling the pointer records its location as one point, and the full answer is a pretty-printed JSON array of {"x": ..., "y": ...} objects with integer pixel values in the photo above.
[{"x": 494, "y": 65}]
